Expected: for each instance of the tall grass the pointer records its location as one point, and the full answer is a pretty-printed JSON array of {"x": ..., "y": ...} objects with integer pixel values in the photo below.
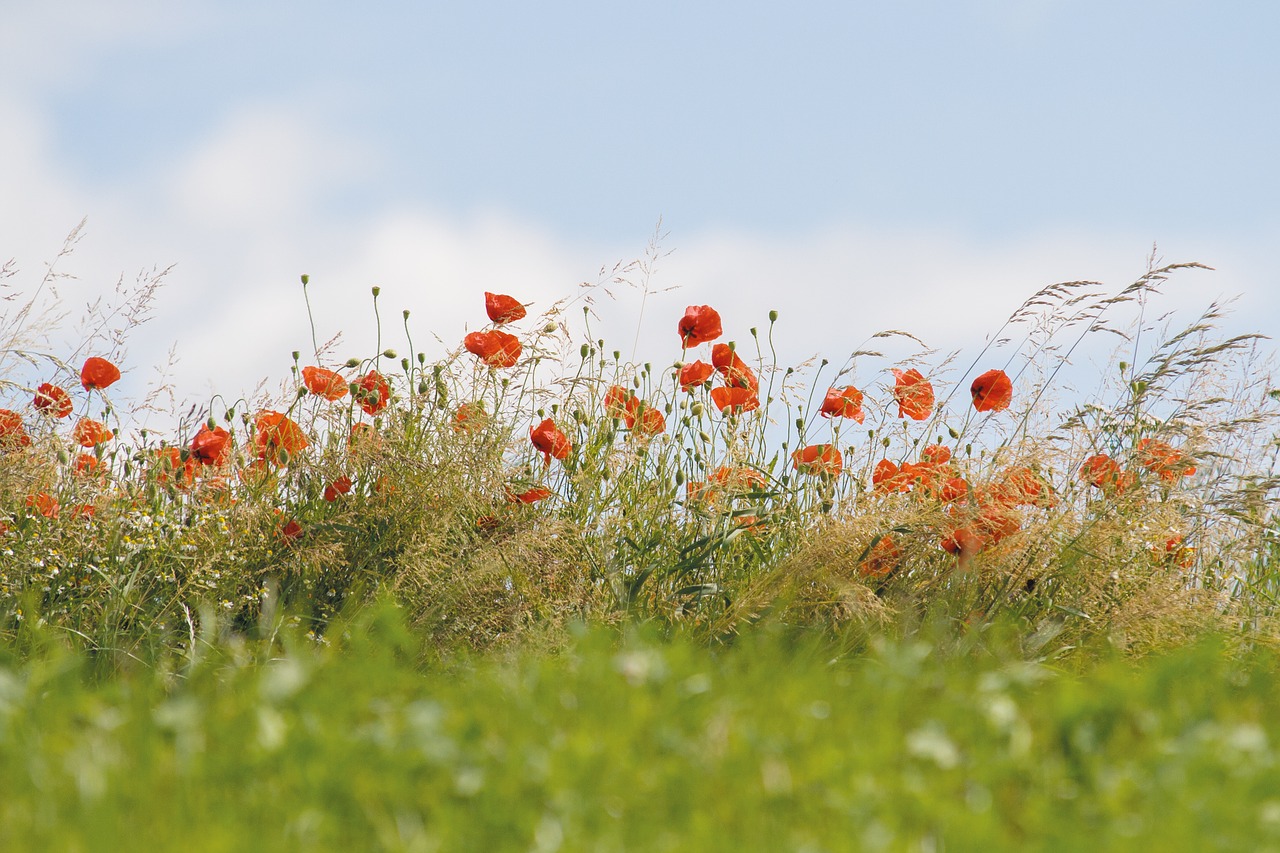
[{"x": 1141, "y": 511}]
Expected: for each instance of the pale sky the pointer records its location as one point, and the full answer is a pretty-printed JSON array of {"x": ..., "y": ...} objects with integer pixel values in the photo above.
[{"x": 857, "y": 166}]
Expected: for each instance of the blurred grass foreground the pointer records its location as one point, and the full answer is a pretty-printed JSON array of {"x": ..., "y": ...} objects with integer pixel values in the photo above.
[{"x": 530, "y": 595}]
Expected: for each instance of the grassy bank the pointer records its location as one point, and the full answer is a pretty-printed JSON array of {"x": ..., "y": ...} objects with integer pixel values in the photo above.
[{"x": 949, "y": 740}]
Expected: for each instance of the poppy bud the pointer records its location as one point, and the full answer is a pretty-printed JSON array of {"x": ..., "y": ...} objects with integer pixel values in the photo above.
[
  {"x": 696, "y": 409},
  {"x": 679, "y": 477},
  {"x": 617, "y": 355},
  {"x": 306, "y": 279},
  {"x": 753, "y": 331},
  {"x": 885, "y": 441},
  {"x": 773, "y": 316},
  {"x": 422, "y": 359},
  {"x": 585, "y": 351},
  {"x": 404, "y": 364},
  {"x": 388, "y": 353},
  {"x": 302, "y": 392},
  {"x": 228, "y": 415},
  {"x": 705, "y": 438},
  {"x": 296, "y": 355},
  {"x": 1124, "y": 365},
  {"x": 799, "y": 423},
  {"x": 952, "y": 432},
  {"x": 211, "y": 423},
  {"x": 968, "y": 450},
  {"x": 549, "y": 328},
  {"x": 353, "y": 362},
  {"x": 63, "y": 456},
  {"x": 406, "y": 313},
  {"x": 375, "y": 290},
  {"x": 422, "y": 387}
]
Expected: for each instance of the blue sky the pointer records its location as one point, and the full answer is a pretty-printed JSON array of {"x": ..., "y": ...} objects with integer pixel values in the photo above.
[{"x": 918, "y": 165}]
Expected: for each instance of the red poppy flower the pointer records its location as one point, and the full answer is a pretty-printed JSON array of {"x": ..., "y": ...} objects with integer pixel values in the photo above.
[
  {"x": 83, "y": 511},
  {"x": 935, "y": 454},
  {"x": 324, "y": 383},
  {"x": 734, "y": 370},
  {"x": 290, "y": 531},
  {"x": 651, "y": 421},
  {"x": 1176, "y": 552},
  {"x": 992, "y": 391},
  {"x": 169, "y": 463},
  {"x": 364, "y": 438},
  {"x": 693, "y": 374},
  {"x": 739, "y": 479},
  {"x": 953, "y": 490},
  {"x": 621, "y": 404},
  {"x": 528, "y": 496},
  {"x": 98, "y": 373},
  {"x": 888, "y": 477},
  {"x": 821, "y": 459},
  {"x": 340, "y": 486},
  {"x": 918, "y": 473},
  {"x": 881, "y": 559},
  {"x": 211, "y": 446},
  {"x": 52, "y": 400},
  {"x": 1160, "y": 458},
  {"x": 1019, "y": 486},
  {"x": 735, "y": 401},
  {"x": 962, "y": 541},
  {"x": 699, "y": 325},
  {"x": 13, "y": 433},
  {"x": 495, "y": 347},
  {"x": 502, "y": 309},
  {"x": 1104, "y": 472},
  {"x": 550, "y": 441},
  {"x": 372, "y": 392},
  {"x": 86, "y": 465},
  {"x": 44, "y": 504},
  {"x": 470, "y": 417},
  {"x": 89, "y": 433},
  {"x": 914, "y": 394},
  {"x": 843, "y": 402},
  {"x": 277, "y": 438}
]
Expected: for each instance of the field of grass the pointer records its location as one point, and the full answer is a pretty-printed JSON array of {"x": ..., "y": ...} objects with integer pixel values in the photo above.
[
  {"x": 942, "y": 741},
  {"x": 529, "y": 595}
]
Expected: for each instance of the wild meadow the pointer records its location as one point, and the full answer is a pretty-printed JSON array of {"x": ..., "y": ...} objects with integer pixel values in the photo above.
[{"x": 533, "y": 595}]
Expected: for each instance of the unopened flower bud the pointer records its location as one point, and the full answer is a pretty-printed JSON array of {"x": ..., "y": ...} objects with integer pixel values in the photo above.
[
  {"x": 696, "y": 408},
  {"x": 585, "y": 350},
  {"x": 63, "y": 456},
  {"x": 549, "y": 328},
  {"x": 296, "y": 355},
  {"x": 388, "y": 353},
  {"x": 353, "y": 362},
  {"x": 404, "y": 364},
  {"x": 773, "y": 316},
  {"x": 406, "y": 313}
]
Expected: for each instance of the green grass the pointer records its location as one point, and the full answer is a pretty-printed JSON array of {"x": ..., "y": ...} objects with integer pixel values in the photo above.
[{"x": 632, "y": 742}]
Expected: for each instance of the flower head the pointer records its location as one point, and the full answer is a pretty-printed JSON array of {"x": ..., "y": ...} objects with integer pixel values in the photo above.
[
  {"x": 694, "y": 374},
  {"x": 372, "y": 392},
  {"x": 495, "y": 347},
  {"x": 734, "y": 370},
  {"x": 843, "y": 402},
  {"x": 992, "y": 391},
  {"x": 550, "y": 441},
  {"x": 818, "y": 459},
  {"x": 211, "y": 446},
  {"x": 735, "y": 401},
  {"x": 1160, "y": 458},
  {"x": 699, "y": 325},
  {"x": 98, "y": 373},
  {"x": 914, "y": 394},
  {"x": 533, "y": 494},
  {"x": 324, "y": 383},
  {"x": 89, "y": 433},
  {"x": 502, "y": 308},
  {"x": 881, "y": 558},
  {"x": 13, "y": 432},
  {"x": 340, "y": 486},
  {"x": 52, "y": 400},
  {"x": 278, "y": 438}
]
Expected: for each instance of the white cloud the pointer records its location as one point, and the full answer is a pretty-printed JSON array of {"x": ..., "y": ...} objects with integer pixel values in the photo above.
[{"x": 239, "y": 215}]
